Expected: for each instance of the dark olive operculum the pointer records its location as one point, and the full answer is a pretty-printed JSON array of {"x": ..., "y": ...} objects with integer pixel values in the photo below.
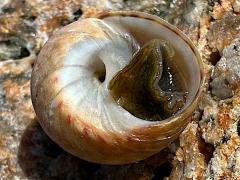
[{"x": 146, "y": 86}]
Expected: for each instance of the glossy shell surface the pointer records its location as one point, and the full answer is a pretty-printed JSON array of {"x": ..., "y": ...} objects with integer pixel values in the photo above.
[{"x": 76, "y": 109}]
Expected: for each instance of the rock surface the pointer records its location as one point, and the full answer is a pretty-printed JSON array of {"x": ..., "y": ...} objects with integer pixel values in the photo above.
[{"x": 207, "y": 149}]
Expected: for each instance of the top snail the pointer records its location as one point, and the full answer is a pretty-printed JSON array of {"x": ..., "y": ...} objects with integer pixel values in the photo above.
[{"x": 116, "y": 88}]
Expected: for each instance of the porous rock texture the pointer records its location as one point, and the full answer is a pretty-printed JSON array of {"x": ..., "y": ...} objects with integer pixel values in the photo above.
[{"x": 209, "y": 147}]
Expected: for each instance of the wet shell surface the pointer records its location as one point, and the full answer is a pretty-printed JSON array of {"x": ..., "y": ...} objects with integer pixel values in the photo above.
[{"x": 116, "y": 88}]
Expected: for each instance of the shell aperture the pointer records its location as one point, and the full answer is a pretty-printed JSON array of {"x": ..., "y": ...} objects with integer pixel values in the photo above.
[
  {"x": 146, "y": 86},
  {"x": 101, "y": 98}
]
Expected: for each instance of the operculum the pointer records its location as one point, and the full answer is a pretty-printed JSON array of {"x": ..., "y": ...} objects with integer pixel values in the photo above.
[{"x": 138, "y": 87}]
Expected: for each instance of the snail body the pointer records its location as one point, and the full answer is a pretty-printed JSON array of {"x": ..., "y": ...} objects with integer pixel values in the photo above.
[{"x": 82, "y": 79}]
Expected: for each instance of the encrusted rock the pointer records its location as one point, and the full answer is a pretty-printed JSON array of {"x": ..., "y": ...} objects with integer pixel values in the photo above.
[
  {"x": 225, "y": 163},
  {"x": 221, "y": 7},
  {"x": 207, "y": 149},
  {"x": 190, "y": 161},
  {"x": 15, "y": 113},
  {"x": 214, "y": 123},
  {"x": 223, "y": 31},
  {"x": 226, "y": 74},
  {"x": 236, "y": 6}
]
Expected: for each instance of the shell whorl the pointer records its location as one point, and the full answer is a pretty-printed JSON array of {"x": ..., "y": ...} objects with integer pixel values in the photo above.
[{"x": 76, "y": 109}]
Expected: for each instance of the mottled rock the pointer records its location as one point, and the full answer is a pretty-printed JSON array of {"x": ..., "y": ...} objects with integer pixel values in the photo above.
[
  {"x": 189, "y": 159},
  {"x": 209, "y": 146},
  {"x": 236, "y": 6},
  {"x": 214, "y": 124},
  {"x": 226, "y": 74},
  {"x": 221, "y": 7},
  {"x": 220, "y": 88},
  {"x": 33, "y": 22},
  {"x": 13, "y": 48},
  {"x": 15, "y": 113},
  {"x": 225, "y": 162},
  {"x": 223, "y": 31}
]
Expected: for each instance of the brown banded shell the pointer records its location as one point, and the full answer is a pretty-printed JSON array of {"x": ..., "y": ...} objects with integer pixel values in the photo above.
[{"x": 80, "y": 84}]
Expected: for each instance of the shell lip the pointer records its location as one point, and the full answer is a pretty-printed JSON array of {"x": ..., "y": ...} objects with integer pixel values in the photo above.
[{"x": 189, "y": 109}]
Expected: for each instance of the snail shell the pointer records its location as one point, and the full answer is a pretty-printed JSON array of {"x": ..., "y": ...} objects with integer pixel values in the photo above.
[{"x": 72, "y": 99}]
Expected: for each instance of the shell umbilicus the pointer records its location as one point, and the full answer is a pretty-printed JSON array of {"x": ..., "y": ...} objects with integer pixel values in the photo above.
[{"x": 117, "y": 88}]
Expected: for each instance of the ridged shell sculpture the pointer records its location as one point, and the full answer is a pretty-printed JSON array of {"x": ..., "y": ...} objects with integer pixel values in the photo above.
[{"x": 116, "y": 88}]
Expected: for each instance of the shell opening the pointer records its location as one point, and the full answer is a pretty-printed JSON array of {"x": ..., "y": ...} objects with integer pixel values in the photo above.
[
  {"x": 146, "y": 86},
  {"x": 185, "y": 61}
]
